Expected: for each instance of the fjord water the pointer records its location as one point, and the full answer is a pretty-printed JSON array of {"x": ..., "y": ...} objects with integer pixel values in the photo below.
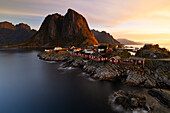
[{"x": 30, "y": 85}]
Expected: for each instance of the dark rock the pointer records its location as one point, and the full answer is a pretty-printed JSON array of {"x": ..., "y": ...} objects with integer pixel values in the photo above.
[
  {"x": 61, "y": 56},
  {"x": 162, "y": 95},
  {"x": 58, "y": 30},
  {"x": 129, "y": 101}
]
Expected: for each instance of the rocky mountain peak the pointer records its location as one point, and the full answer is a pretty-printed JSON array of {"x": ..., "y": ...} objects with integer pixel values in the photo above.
[
  {"x": 57, "y": 15},
  {"x": 22, "y": 26},
  {"x": 10, "y": 26},
  {"x": 11, "y": 34},
  {"x": 71, "y": 11},
  {"x": 7, "y": 25},
  {"x": 58, "y": 30}
]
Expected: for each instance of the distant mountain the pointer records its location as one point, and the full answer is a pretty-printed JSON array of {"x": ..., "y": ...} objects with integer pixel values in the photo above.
[
  {"x": 67, "y": 30},
  {"x": 104, "y": 37},
  {"x": 129, "y": 42},
  {"x": 11, "y": 34}
]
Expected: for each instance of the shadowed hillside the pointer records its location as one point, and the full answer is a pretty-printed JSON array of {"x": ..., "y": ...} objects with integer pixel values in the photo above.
[
  {"x": 129, "y": 42},
  {"x": 11, "y": 34},
  {"x": 104, "y": 37}
]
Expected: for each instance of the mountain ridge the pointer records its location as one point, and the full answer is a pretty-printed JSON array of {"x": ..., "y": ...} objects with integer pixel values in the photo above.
[
  {"x": 14, "y": 34},
  {"x": 129, "y": 42},
  {"x": 104, "y": 37},
  {"x": 67, "y": 30}
]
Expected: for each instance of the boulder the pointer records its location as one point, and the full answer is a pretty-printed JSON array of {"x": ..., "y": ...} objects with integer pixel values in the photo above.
[{"x": 129, "y": 101}]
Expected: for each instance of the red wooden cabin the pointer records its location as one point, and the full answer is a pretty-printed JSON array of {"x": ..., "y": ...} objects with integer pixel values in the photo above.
[
  {"x": 75, "y": 53},
  {"x": 83, "y": 54},
  {"x": 104, "y": 58},
  {"x": 137, "y": 60},
  {"x": 86, "y": 55},
  {"x": 100, "y": 58},
  {"x": 115, "y": 59},
  {"x": 90, "y": 56},
  {"x": 94, "y": 57}
]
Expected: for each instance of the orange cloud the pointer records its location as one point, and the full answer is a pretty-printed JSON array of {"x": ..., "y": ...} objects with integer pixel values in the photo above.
[{"x": 135, "y": 19}]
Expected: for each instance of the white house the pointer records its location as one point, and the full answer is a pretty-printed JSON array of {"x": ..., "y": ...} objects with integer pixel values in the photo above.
[
  {"x": 101, "y": 50},
  {"x": 48, "y": 50},
  {"x": 57, "y": 48},
  {"x": 90, "y": 51},
  {"x": 76, "y": 49}
]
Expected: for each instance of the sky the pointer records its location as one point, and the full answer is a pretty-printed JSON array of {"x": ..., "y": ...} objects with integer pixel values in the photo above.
[{"x": 138, "y": 20}]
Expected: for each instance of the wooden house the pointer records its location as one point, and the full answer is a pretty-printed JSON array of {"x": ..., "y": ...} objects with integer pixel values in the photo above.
[
  {"x": 94, "y": 56},
  {"x": 75, "y": 53},
  {"x": 58, "y": 48},
  {"x": 137, "y": 60},
  {"x": 98, "y": 57},
  {"x": 49, "y": 50},
  {"x": 104, "y": 58},
  {"x": 90, "y": 51},
  {"x": 79, "y": 53},
  {"x": 76, "y": 49},
  {"x": 86, "y": 55},
  {"x": 83, "y": 54},
  {"x": 115, "y": 59},
  {"x": 102, "y": 48},
  {"x": 72, "y": 47},
  {"x": 90, "y": 56},
  {"x": 109, "y": 51}
]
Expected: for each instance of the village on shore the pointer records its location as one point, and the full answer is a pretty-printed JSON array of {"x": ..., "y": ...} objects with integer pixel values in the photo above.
[{"x": 102, "y": 53}]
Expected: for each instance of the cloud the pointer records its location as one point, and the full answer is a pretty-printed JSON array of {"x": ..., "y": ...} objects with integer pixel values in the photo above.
[
  {"x": 130, "y": 17},
  {"x": 108, "y": 12}
]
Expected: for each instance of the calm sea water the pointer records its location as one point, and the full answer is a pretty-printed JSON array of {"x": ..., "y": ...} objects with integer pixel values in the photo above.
[
  {"x": 30, "y": 85},
  {"x": 161, "y": 45}
]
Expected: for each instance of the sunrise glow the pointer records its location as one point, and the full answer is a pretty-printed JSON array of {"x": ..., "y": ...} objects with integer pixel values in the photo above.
[{"x": 138, "y": 20}]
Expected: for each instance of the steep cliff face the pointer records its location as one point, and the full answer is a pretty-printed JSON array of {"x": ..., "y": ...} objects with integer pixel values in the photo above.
[
  {"x": 49, "y": 31},
  {"x": 104, "y": 37},
  {"x": 58, "y": 30},
  {"x": 11, "y": 34}
]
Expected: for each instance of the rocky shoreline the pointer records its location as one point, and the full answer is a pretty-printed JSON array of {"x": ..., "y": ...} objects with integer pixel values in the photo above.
[
  {"x": 130, "y": 102},
  {"x": 130, "y": 74},
  {"x": 133, "y": 75}
]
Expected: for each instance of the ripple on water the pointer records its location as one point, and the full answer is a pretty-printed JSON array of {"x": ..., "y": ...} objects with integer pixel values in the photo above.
[
  {"x": 66, "y": 68},
  {"x": 91, "y": 79},
  {"x": 87, "y": 76},
  {"x": 51, "y": 62}
]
